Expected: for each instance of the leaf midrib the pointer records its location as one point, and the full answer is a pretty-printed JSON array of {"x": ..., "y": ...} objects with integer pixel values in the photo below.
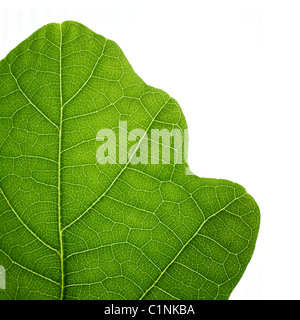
[
  {"x": 60, "y": 128},
  {"x": 59, "y": 170}
]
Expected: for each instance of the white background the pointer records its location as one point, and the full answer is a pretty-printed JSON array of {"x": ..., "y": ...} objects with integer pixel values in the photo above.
[{"x": 234, "y": 67}]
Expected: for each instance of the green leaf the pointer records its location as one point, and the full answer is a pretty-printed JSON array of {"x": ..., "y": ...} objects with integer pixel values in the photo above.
[{"x": 73, "y": 228}]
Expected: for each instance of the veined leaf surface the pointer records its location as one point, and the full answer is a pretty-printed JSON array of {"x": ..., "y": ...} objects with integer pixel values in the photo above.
[{"x": 72, "y": 228}]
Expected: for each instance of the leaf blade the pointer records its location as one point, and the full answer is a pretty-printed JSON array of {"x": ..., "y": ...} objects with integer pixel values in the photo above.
[{"x": 121, "y": 231}]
